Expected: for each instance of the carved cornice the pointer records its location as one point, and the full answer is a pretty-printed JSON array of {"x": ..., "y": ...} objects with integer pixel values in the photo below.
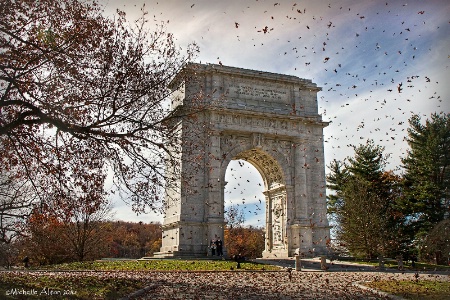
[
  {"x": 276, "y": 190},
  {"x": 238, "y": 117},
  {"x": 196, "y": 69},
  {"x": 277, "y": 129}
]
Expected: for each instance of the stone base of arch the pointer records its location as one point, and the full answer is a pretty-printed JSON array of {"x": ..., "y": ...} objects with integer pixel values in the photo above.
[
  {"x": 189, "y": 239},
  {"x": 312, "y": 242},
  {"x": 275, "y": 253}
]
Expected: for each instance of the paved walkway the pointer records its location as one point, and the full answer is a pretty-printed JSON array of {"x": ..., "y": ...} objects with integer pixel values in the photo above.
[{"x": 313, "y": 264}]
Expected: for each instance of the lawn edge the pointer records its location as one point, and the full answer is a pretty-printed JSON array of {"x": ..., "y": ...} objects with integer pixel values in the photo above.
[{"x": 360, "y": 284}]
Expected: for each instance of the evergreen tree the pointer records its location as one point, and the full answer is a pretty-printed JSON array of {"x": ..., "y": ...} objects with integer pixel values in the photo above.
[
  {"x": 335, "y": 180},
  {"x": 364, "y": 203},
  {"x": 427, "y": 174}
]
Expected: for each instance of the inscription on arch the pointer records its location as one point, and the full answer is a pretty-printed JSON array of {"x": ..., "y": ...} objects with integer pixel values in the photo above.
[{"x": 259, "y": 92}]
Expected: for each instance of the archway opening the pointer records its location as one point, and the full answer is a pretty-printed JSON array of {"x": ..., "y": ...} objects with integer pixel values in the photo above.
[
  {"x": 245, "y": 210},
  {"x": 244, "y": 191},
  {"x": 276, "y": 233}
]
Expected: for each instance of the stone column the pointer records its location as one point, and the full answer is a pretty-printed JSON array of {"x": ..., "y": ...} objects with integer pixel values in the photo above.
[
  {"x": 321, "y": 233},
  {"x": 298, "y": 263},
  {"x": 292, "y": 242},
  {"x": 268, "y": 239},
  {"x": 301, "y": 205},
  {"x": 215, "y": 187}
]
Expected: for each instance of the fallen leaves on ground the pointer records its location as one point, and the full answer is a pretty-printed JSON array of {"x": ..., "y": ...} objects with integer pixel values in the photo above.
[{"x": 210, "y": 285}]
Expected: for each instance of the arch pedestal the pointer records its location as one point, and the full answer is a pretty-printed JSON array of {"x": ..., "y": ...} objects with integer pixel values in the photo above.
[{"x": 269, "y": 120}]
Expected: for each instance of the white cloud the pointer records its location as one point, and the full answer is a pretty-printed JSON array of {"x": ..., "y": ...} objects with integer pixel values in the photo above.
[{"x": 123, "y": 212}]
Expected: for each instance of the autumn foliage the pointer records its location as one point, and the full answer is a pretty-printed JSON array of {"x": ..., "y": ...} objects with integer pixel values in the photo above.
[
  {"x": 134, "y": 240},
  {"x": 244, "y": 241},
  {"x": 52, "y": 241}
]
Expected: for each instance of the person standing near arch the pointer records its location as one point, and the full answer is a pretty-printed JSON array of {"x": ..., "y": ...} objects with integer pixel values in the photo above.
[
  {"x": 219, "y": 247},
  {"x": 213, "y": 247}
]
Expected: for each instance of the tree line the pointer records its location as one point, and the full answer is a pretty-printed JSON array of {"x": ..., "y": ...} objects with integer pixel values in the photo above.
[
  {"x": 50, "y": 241},
  {"x": 378, "y": 212}
]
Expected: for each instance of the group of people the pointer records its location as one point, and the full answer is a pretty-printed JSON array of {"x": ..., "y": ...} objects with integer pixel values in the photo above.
[{"x": 216, "y": 247}]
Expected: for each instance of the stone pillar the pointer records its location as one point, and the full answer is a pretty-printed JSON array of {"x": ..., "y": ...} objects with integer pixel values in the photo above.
[
  {"x": 292, "y": 242},
  {"x": 268, "y": 238},
  {"x": 317, "y": 191},
  {"x": 298, "y": 263},
  {"x": 215, "y": 188},
  {"x": 301, "y": 229},
  {"x": 381, "y": 263},
  {"x": 323, "y": 263},
  {"x": 301, "y": 204}
]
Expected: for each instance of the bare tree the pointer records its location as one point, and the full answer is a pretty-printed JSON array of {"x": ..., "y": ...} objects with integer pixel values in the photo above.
[
  {"x": 85, "y": 231},
  {"x": 16, "y": 200},
  {"x": 234, "y": 216}
]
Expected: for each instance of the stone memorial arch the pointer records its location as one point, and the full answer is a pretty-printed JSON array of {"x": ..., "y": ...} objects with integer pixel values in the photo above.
[{"x": 269, "y": 120}]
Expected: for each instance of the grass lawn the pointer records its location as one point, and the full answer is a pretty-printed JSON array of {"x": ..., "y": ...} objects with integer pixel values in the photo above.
[
  {"x": 423, "y": 289},
  {"x": 161, "y": 265},
  {"x": 29, "y": 285},
  {"x": 108, "y": 284}
]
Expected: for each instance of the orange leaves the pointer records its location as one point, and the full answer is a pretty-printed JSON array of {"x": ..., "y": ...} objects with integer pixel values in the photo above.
[
  {"x": 247, "y": 242},
  {"x": 43, "y": 219}
]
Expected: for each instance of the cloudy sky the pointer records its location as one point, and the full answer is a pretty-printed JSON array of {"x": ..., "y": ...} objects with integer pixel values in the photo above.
[{"x": 378, "y": 62}]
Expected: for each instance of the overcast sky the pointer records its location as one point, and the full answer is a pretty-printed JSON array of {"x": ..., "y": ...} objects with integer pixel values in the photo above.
[{"x": 359, "y": 52}]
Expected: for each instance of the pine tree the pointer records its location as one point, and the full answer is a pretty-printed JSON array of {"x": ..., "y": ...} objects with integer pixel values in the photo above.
[
  {"x": 364, "y": 203},
  {"x": 427, "y": 174},
  {"x": 335, "y": 180}
]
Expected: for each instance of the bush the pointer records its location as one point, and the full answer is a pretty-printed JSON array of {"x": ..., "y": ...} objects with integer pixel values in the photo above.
[{"x": 436, "y": 246}]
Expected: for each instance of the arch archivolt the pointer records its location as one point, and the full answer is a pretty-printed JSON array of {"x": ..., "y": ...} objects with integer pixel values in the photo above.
[
  {"x": 266, "y": 165},
  {"x": 271, "y": 157}
]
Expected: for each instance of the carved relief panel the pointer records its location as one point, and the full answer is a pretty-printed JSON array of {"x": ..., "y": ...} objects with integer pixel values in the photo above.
[{"x": 278, "y": 211}]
